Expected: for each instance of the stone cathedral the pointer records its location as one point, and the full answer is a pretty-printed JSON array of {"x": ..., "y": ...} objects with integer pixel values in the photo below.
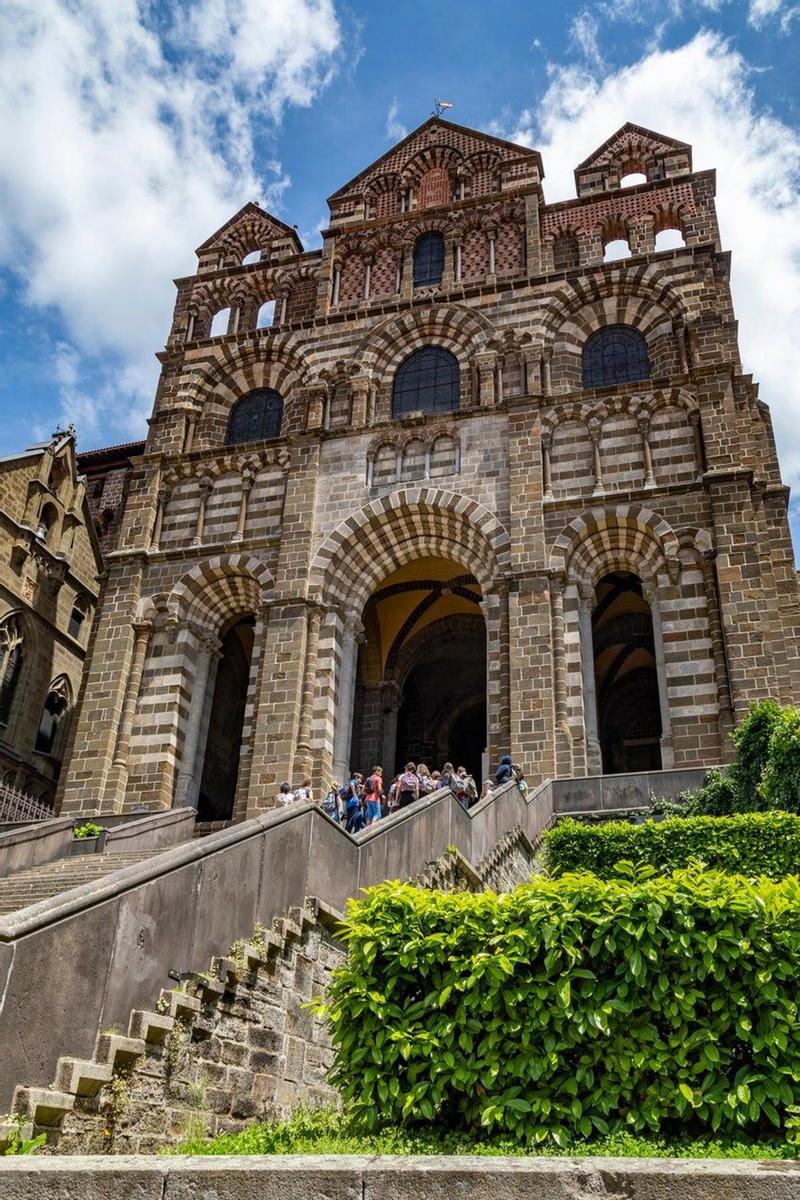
[{"x": 482, "y": 474}]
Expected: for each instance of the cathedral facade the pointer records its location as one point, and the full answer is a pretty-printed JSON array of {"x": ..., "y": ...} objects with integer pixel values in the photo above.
[{"x": 484, "y": 474}]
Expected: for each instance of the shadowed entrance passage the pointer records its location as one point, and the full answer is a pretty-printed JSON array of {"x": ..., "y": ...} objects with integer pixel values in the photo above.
[
  {"x": 628, "y": 710},
  {"x": 421, "y": 690},
  {"x": 226, "y": 720}
]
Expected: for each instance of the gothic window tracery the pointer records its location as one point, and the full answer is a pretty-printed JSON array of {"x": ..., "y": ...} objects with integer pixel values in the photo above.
[
  {"x": 10, "y": 664},
  {"x": 614, "y": 355},
  {"x": 256, "y": 417},
  {"x": 55, "y": 707},
  {"x": 426, "y": 381}
]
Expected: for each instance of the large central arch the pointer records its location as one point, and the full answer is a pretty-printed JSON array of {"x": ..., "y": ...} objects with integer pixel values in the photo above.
[{"x": 410, "y": 525}]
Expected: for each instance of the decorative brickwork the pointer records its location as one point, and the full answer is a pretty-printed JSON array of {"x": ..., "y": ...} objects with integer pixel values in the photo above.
[{"x": 538, "y": 487}]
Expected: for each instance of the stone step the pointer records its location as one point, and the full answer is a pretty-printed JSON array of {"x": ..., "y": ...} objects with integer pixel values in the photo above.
[
  {"x": 44, "y": 1107},
  {"x": 82, "y": 1076},
  {"x": 51, "y": 879}
]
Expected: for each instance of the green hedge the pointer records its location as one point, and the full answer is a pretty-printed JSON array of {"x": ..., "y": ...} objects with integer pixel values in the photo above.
[
  {"x": 746, "y": 844},
  {"x": 573, "y": 1007}
]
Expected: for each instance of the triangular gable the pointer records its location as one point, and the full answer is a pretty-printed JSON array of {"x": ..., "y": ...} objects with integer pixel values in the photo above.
[
  {"x": 630, "y": 141},
  {"x": 437, "y": 132},
  {"x": 251, "y": 214}
]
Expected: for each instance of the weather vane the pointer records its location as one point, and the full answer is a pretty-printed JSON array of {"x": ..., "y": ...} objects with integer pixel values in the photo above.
[{"x": 440, "y": 106}]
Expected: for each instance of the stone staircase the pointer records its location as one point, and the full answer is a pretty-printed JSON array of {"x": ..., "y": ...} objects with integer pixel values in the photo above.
[
  {"x": 51, "y": 879},
  {"x": 242, "y": 1027}
]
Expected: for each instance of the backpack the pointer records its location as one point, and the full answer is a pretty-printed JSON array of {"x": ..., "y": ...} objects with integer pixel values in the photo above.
[
  {"x": 345, "y": 793},
  {"x": 330, "y": 804}
]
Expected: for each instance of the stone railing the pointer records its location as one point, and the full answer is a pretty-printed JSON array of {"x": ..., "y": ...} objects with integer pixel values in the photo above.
[{"x": 83, "y": 959}]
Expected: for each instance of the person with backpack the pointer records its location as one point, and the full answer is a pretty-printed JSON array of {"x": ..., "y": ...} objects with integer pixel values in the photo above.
[
  {"x": 426, "y": 782},
  {"x": 373, "y": 795},
  {"x": 408, "y": 786},
  {"x": 350, "y": 795},
  {"x": 470, "y": 787},
  {"x": 330, "y": 805}
]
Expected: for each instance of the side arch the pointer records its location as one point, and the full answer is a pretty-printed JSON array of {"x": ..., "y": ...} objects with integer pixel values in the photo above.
[
  {"x": 626, "y": 537},
  {"x": 220, "y": 588}
]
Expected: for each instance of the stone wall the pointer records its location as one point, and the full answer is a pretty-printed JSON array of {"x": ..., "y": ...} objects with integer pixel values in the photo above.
[
  {"x": 354, "y": 1177},
  {"x": 233, "y": 1045}
]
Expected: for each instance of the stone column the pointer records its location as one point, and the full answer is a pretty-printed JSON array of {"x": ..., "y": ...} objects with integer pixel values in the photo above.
[
  {"x": 118, "y": 775},
  {"x": 650, "y": 592},
  {"x": 547, "y": 443},
  {"x": 718, "y": 652},
  {"x": 485, "y": 362},
  {"x": 643, "y": 421},
  {"x": 248, "y": 478},
  {"x": 498, "y": 708},
  {"x": 398, "y": 273},
  {"x": 303, "y": 763},
  {"x": 679, "y": 329},
  {"x": 158, "y": 522},
  {"x": 547, "y": 358},
  {"x": 594, "y": 757},
  {"x": 697, "y": 435},
  {"x": 188, "y": 436},
  {"x": 562, "y": 731},
  {"x": 457, "y": 262},
  {"x": 205, "y": 485},
  {"x": 595, "y": 433},
  {"x": 491, "y": 233},
  {"x": 360, "y": 392},
  {"x": 188, "y": 785},
  {"x": 367, "y": 276},
  {"x": 352, "y": 633}
]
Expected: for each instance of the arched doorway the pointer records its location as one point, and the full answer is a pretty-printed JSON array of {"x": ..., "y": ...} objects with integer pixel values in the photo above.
[
  {"x": 626, "y": 678},
  {"x": 225, "y": 723},
  {"x": 421, "y": 685}
]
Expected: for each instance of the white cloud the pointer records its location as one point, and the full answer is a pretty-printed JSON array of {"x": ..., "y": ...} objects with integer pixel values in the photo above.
[
  {"x": 584, "y": 33},
  {"x": 762, "y": 11},
  {"x": 395, "y": 130},
  {"x": 124, "y": 145},
  {"x": 701, "y": 94}
]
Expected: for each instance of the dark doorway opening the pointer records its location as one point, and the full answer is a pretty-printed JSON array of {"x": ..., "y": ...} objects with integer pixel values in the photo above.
[
  {"x": 442, "y": 715},
  {"x": 626, "y": 679},
  {"x": 225, "y": 724}
]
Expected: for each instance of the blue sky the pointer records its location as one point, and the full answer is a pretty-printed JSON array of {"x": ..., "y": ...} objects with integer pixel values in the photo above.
[{"x": 131, "y": 131}]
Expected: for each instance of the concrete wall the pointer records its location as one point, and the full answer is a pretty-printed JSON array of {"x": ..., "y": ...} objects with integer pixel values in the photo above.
[
  {"x": 80, "y": 961},
  {"x": 152, "y": 832},
  {"x": 361, "y": 1178},
  {"x": 29, "y": 845},
  {"x": 609, "y": 793}
]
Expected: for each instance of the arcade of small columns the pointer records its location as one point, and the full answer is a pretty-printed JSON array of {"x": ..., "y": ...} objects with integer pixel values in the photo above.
[{"x": 302, "y": 681}]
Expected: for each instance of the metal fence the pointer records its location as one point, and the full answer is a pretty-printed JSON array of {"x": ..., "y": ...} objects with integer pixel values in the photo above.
[{"x": 18, "y": 806}]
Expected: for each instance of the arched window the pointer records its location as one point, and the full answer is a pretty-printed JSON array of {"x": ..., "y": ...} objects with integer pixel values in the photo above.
[
  {"x": 55, "y": 707},
  {"x": 10, "y": 664},
  {"x": 220, "y": 323},
  {"x": 426, "y": 381},
  {"x": 256, "y": 417},
  {"x": 615, "y": 354},
  {"x": 428, "y": 259},
  {"x": 48, "y": 519},
  {"x": 266, "y": 315},
  {"x": 77, "y": 618}
]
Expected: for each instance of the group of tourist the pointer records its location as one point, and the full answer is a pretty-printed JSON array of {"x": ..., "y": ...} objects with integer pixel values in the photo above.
[{"x": 361, "y": 801}]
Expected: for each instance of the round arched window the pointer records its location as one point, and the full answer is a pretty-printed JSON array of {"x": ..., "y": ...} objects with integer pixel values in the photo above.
[
  {"x": 428, "y": 260},
  {"x": 615, "y": 354},
  {"x": 426, "y": 381},
  {"x": 256, "y": 417}
]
